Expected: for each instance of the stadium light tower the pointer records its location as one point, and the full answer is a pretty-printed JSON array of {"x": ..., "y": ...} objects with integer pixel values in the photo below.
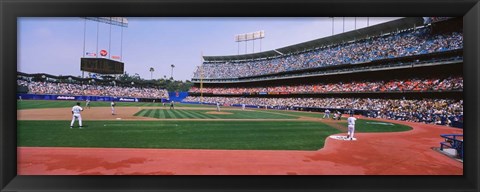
[
  {"x": 171, "y": 75},
  {"x": 151, "y": 72},
  {"x": 249, "y": 37}
]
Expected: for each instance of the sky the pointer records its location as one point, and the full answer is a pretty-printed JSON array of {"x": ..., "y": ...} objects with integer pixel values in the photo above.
[{"x": 54, "y": 45}]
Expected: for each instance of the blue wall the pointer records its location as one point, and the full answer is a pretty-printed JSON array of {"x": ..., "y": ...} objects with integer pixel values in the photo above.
[{"x": 75, "y": 98}]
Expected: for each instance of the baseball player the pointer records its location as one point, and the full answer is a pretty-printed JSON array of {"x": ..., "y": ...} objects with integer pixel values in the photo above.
[
  {"x": 243, "y": 106},
  {"x": 351, "y": 127},
  {"x": 88, "y": 104},
  {"x": 76, "y": 115},
  {"x": 171, "y": 105},
  {"x": 218, "y": 106},
  {"x": 112, "y": 104},
  {"x": 327, "y": 114}
]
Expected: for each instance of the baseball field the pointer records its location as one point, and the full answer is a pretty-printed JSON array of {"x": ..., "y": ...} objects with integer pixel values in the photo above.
[{"x": 149, "y": 136}]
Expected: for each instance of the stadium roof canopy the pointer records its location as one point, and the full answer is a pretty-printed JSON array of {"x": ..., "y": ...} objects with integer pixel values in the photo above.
[{"x": 374, "y": 30}]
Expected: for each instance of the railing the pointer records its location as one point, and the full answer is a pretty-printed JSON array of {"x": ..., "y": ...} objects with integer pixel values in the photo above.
[{"x": 453, "y": 141}]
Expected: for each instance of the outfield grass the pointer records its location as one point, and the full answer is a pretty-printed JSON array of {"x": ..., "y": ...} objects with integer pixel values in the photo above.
[
  {"x": 202, "y": 114},
  {"x": 369, "y": 126},
  {"x": 302, "y": 113},
  {"x": 36, "y": 104},
  {"x": 176, "y": 135}
]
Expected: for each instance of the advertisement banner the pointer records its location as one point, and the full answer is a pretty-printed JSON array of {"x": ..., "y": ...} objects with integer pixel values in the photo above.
[{"x": 123, "y": 99}]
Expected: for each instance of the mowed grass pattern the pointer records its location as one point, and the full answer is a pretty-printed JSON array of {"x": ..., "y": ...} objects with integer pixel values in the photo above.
[
  {"x": 243, "y": 135},
  {"x": 203, "y": 114}
]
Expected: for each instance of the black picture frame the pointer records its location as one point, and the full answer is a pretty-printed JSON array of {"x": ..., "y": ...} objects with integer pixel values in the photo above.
[{"x": 10, "y": 10}]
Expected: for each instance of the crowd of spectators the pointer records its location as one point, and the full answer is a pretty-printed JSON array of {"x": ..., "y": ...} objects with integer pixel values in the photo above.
[
  {"x": 432, "y": 111},
  {"x": 91, "y": 90},
  {"x": 407, "y": 43},
  {"x": 412, "y": 84}
]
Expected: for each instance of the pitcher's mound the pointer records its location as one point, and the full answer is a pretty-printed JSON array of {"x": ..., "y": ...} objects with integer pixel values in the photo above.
[{"x": 218, "y": 113}]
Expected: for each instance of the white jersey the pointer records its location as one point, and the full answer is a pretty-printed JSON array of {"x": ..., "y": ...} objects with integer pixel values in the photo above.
[
  {"x": 76, "y": 109},
  {"x": 112, "y": 104},
  {"x": 218, "y": 104},
  {"x": 327, "y": 111},
  {"x": 351, "y": 120}
]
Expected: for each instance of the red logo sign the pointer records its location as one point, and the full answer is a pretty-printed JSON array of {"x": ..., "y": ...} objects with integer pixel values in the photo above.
[{"x": 103, "y": 52}]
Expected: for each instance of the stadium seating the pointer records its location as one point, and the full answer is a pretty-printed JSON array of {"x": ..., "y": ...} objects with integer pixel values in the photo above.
[
  {"x": 407, "y": 43},
  {"x": 90, "y": 89},
  {"x": 397, "y": 85}
]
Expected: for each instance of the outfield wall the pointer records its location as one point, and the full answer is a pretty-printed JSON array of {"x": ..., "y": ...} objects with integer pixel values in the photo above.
[{"x": 83, "y": 98}]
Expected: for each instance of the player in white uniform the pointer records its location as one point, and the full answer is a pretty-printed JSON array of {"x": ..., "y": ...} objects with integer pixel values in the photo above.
[
  {"x": 76, "y": 115},
  {"x": 243, "y": 106},
  {"x": 218, "y": 106},
  {"x": 351, "y": 127},
  {"x": 327, "y": 114},
  {"x": 88, "y": 104},
  {"x": 112, "y": 104}
]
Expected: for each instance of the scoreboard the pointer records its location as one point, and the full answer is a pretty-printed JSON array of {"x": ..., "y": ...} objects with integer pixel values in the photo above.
[{"x": 101, "y": 66}]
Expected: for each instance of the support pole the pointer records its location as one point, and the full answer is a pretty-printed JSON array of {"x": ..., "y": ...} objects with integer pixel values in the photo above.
[
  {"x": 253, "y": 47},
  {"x": 333, "y": 21},
  {"x": 84, "y": 39},
  {"x": 201, "y": 77},
  {"x": 121, "y": 44},
  {"x": 96, "y": 53},
  {"x": 110, "y": 40},
  {"x": 355, "y": 23}
]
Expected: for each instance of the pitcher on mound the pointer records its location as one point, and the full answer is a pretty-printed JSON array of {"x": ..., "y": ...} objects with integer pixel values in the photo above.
[{"x": 351, "y": 127}]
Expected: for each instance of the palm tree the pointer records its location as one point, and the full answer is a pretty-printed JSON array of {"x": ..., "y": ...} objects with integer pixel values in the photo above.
[
  {"x": 151, "y": 72},
  {"x": 171, "y": 75}
]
